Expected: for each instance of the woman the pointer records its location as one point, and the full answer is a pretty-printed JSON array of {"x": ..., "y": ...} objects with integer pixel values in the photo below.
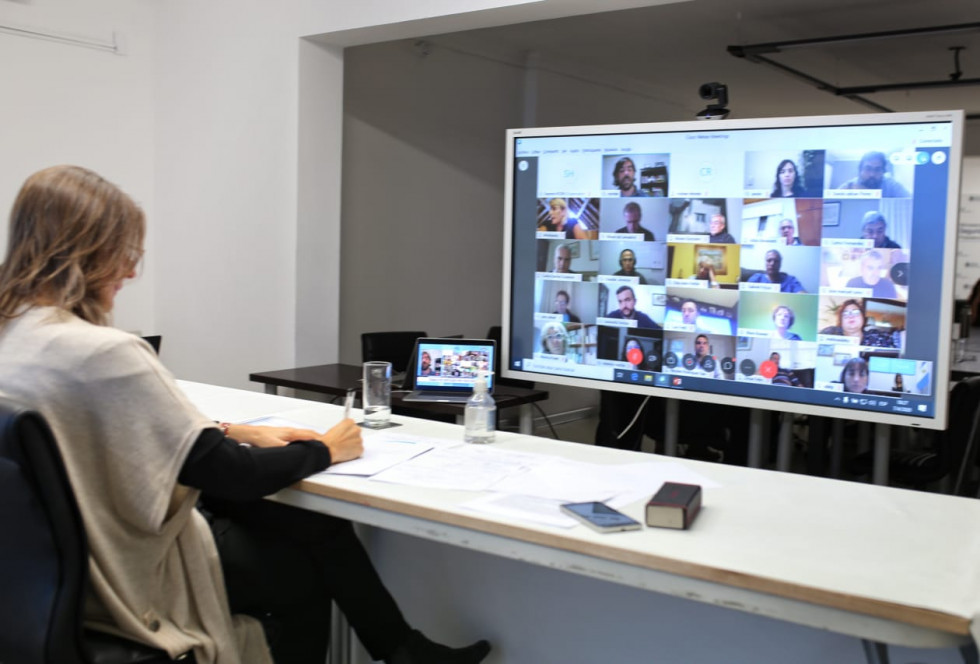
[
  {"x": 634, "y": 354},
  {"x": 558, "y": 221},
  {"x": 554, "y": 339},
  {"x": 898, "y": 386},
  {"x": 854, "y": 376},
  {"x": 787, "y": 184},
  {"x": 850, "y": 323},
  {"x": 139, "y": 455},
  {"x": 783, "y": 319}
]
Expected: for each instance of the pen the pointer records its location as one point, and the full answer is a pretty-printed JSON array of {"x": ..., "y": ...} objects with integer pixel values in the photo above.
[{"x": 348, "y": 403}]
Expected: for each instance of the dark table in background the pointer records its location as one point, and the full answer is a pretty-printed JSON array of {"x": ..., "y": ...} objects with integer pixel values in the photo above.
[{"x": 336, "y": 379}]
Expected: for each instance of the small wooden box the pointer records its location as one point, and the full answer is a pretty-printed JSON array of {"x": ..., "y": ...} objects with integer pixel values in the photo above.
[{"x": 675, "y": 505}]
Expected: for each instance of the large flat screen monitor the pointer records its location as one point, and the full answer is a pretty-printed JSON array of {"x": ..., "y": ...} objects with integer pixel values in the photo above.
[{"x": 795, "y": 264}]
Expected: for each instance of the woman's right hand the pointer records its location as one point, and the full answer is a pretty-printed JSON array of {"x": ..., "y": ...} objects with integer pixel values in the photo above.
[{"x": 344, "y": 441}]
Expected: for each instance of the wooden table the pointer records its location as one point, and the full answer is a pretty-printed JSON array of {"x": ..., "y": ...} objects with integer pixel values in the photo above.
[
  {"x": 778, "y": 567},
  {"x": 336, "y": 379}
]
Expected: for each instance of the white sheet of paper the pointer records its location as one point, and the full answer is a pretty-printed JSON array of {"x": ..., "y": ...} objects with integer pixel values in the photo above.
[
  {"x": 273, "y": 421},
  {"x": 381, "y": 449},
  {"x": 525, "y": 508},
  {"x": 466, "y": 467}
]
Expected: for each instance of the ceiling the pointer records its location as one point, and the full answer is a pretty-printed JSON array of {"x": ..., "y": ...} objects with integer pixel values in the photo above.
[{"x": 669, "y": 50}]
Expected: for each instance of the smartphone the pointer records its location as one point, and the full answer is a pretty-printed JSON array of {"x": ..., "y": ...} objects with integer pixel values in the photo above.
[{"x": 600, "y": 517}]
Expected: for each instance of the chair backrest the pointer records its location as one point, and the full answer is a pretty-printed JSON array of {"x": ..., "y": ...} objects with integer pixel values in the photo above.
[
  {"x": 43, "y": 550},
  {"x": 394, "y": 347},
  {"x": 154, "y": 340}
]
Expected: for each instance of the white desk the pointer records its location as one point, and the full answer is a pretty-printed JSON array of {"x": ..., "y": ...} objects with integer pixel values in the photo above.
[{"x": 840, "y": 558}]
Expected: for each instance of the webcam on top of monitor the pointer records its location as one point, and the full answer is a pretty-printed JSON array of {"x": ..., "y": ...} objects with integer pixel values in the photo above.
[{"x": 717, "y": 110}]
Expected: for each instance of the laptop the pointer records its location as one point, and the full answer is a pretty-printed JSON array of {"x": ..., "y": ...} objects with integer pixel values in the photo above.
[{"x": 445, "y": 370}]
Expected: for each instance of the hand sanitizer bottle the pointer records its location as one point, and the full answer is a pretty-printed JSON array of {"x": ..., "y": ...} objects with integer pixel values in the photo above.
[{"x": 481, "y": 413}]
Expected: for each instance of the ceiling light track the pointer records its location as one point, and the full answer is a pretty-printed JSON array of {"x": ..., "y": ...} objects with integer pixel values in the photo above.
[{"x": 758, "y": 53}]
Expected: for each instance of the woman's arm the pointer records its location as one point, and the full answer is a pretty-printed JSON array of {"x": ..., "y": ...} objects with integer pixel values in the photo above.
[{"x": 225, "y": 468}]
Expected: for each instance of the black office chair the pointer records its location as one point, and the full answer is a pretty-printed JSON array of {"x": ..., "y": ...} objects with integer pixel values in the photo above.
[
  {"x": 154, "y": 340},
  {"x": 44, "y": 557},
  {"x": 394, "y": 347}
]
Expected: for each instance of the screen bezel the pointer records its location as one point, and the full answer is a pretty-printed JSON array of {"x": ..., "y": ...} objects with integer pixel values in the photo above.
[{"x": 937, "y": 420}]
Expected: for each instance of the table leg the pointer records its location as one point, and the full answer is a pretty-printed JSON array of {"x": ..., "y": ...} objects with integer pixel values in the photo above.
[
  {"x": 527, "y": 420},
  {"x": 874, "y": 652},
  {"x": 671, "y": 422},
  {"x": 882, "y": 451},
  {"x": 271, "y": 389},
  {"x": 784, "y": 451},
  {"x": 757, "y": 431}
]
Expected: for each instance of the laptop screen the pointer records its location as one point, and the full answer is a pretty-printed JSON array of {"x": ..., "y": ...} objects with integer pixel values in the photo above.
[{"x": 451, "y": 365}]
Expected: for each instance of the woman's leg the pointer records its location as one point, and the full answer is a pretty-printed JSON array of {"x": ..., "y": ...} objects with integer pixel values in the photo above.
[{"x": 290, "y": 563}]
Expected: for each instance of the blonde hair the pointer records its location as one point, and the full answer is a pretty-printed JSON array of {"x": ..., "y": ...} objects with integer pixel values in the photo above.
[{"x": 72, "y": 235}]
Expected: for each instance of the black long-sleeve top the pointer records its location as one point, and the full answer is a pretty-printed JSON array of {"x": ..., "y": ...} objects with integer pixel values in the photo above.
[{"x": 223, "y": 468}]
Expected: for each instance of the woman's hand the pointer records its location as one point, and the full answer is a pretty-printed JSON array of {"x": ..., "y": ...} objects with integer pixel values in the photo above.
[
  {"x": 260, "y": 436},
  {"x": 344, "y": 441}
]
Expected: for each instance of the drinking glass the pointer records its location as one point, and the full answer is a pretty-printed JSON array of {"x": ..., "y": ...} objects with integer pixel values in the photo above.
[{"x": 377, "y": 394}]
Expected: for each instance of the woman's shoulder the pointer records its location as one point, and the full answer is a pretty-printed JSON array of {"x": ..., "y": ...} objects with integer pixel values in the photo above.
[{"x": 64, "y": 337}]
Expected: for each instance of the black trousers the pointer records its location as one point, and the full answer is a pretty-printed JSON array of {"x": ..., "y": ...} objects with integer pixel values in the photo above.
[{"x": 283, "y": 565}]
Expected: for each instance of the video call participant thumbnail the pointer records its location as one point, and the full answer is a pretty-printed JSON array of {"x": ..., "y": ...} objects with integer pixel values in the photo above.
[
  {"x": 773, "y": 274},
  {"x": 700, "y": 354},
  {"x": 714, "y": 265},
  {"x": 874, "y": 173},
  {"x": 788, "y": 183},
  {"x": 784, "y": 174},
  {"x": 713, "y": 311},
  {"x": 778, "y": 316},
  {"x": 632, "y": 217},
  {"x": 887, "y": 222},
  {"x": 638, "y": 175},
  {"x": 871, "y": 277},
  {"x": 554, "y": 339},
  {"x": 626, "y": 300},
  {"x": 557, "y": 220},
  {"x": 874, "y": 227},
  {"x": 565, "y": 260},
  {"x": 625, "y": 178},
  {"x": 565, "y": 301},
  {"x": 627, "y": 266},
  {"x": 719, "y": 230},
  {"x": 777, "y": 362},
  {"x": 562, "y": 263},
  {"x": 854, "y": 376},
  {"x": 852, "y": 322},
  {"x": 562, "y": 298}
]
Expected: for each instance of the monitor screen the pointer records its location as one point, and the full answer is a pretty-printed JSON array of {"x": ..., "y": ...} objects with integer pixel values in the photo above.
[
  {"x": 795, "y": 264},
  {"x": 453, "y": 365}
]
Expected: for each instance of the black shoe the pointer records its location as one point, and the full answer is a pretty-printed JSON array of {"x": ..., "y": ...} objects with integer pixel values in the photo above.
[{"x": 418, "y": 649}]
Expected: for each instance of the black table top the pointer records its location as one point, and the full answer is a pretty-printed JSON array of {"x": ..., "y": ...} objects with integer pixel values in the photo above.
[{"x": 336, "y": 379}]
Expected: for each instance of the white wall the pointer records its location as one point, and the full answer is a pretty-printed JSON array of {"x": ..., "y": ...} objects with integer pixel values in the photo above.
[
  {"x": 422, "y": 185},
  {"x": 250, "y": 223},
  {"x": 66, "y": 104}
]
